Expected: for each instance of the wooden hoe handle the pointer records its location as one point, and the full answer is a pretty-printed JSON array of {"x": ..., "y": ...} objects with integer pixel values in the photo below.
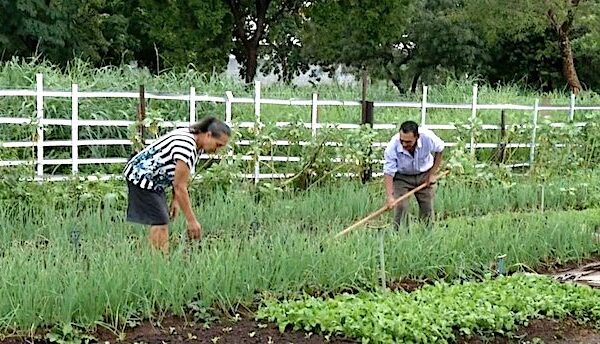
[{"x": 386, "y": 208}]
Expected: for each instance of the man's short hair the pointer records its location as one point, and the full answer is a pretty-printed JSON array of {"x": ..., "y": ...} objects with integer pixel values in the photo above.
[{"x": 410, "y": 127}]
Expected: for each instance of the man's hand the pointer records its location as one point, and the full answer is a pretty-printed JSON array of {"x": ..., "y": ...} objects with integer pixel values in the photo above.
[
  {"x": 194, "y": 230},
  {"x": 173, "y": 209},
  {"x": 430, "y": 179},
  {"x": 390, "y": 202},
  {"x": 431, "y": 174}
]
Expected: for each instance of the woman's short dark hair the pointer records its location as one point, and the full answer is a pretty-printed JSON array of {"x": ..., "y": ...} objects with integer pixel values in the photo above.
[
  {"x": 410, "y": 127},
  {"x": 210, "y": 124}
]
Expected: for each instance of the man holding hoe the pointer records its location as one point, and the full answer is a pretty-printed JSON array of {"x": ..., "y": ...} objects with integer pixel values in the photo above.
[
  {"x": 169, "y": 162},
  {"x": 412, "y": 157}
]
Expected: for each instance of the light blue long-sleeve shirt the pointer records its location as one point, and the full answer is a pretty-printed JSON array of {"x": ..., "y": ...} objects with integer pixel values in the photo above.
[{"x": 397, "y": 159}]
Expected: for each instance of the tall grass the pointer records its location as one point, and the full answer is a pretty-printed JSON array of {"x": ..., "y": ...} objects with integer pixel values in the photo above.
[
  {"x": 16, "y": 74},
  {"x": 19, "y": 74}
]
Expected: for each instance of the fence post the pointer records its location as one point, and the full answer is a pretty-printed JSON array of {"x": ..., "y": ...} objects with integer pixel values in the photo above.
[
  {"x": 502, "y": 154},
  {"x": 258, "y": 128},
  {"x": 367, "y": 118},
  {"x": 74, "y": 129},
  {"x": 314, "y": 112},
  {"x": 424, "y": 106},
  {"x": 572, "y": 108},
  {"x": 142, "y": 115},
  {"x": 40, "y": 124},
  {"x": 382, "y": 257},
  {"x": 228, "y": 119},
  {"x": 228, "y": 102},
  {"x": 192, "y": 105},
  {"x": 473, "y": 117},
  {"x": 533, "y": 132}
]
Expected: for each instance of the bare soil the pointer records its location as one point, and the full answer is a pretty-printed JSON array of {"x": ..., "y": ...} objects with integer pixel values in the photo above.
[
  {"x": 566, "y": 331},
  {"x": 246, "y": 331}
]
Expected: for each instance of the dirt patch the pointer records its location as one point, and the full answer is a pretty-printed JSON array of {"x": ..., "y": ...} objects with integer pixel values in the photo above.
[
  {"x": 546, "y": 331},
  {"x": 245, "y": 330},
  {"x": 553, "y": 267},
  {"x": 408, "y": 285}
]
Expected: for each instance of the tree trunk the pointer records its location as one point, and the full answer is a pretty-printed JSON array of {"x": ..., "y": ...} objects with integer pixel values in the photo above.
[
  {"x": 415, "y": 82},
  {"x": 569, "y": 71},
  {"x": 398, "y": 83},
  {"x": 564, "y": 42},
  {"x": 286, "y": 74},
  {"x": 251, "y": 63}
]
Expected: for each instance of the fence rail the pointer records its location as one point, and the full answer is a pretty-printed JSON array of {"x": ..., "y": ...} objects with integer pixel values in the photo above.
[{"x": 228, "y": 99}]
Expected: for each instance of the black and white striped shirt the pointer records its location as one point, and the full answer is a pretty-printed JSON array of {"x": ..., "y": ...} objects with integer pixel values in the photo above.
[{"x": 154, "y": 167}]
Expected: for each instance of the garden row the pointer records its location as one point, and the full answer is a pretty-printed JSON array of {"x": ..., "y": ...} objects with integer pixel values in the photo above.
[
  {"x": 438, "y": 314},
  {"x": 56, "y": 268}
]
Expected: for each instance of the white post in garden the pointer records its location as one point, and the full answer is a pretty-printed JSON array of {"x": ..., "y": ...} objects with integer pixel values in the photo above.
[
  {"x": 192, "y": 105},
  {"x": 424, "y": 106},
  {"x": 382, "y": 258},
  {"x": 314, "y": 114},
  {"x": 228, "y": 102},
  {"x": 572, "y": 108},
  {"x": 228, "y": 120},
  {"x": 40, "y": 125},
  {"x": 473, "y": 117},
  {"x": 258, "y": 127},
  {"x": 533, "y": 132},
  {"x": 74, "y": 129}
]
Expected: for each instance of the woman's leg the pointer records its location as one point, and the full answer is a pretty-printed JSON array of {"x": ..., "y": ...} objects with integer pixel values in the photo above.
[{"x": 159, "y": 238}]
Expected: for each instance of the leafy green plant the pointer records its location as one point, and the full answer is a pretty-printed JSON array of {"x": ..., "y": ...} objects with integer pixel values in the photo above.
[
  {"x": 201, "y": 313},
  {"x": 435, "y": 313},
  {"x": 68, "y": 334}
]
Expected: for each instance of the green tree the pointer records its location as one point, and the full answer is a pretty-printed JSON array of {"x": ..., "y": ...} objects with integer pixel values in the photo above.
[
  {"x": 98, "y": 30},
  {"x": 93, "y": 30},
  {"x": 181, "y": 32},
  {"x": 368, "y": 34},
  {"x": 282, "y": 51},
  {"x": 253, "y": 23},
  {"x": 444, "y": 42},
  {"x": 32, "y": 26},
  {"x": 519, "y": 18}
]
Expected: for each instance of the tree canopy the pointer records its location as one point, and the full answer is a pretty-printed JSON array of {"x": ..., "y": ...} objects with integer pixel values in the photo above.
[{"x": 546, "y": 44}]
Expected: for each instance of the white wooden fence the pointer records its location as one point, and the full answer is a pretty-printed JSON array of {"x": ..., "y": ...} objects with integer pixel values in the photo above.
[{"x": 229, "y": 100}]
